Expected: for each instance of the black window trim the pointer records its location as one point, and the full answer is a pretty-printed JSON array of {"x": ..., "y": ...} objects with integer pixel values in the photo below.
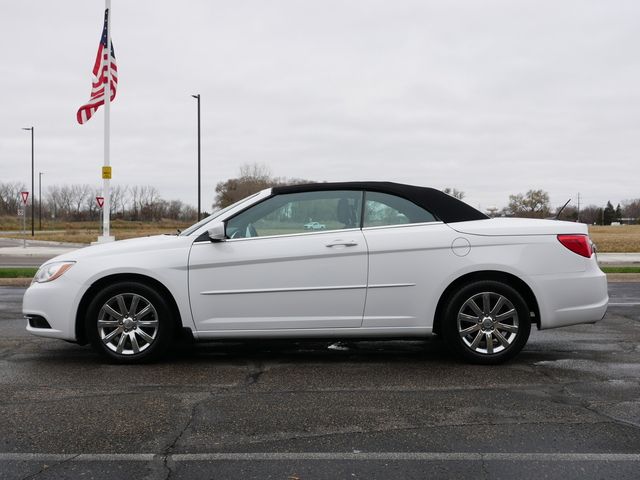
[
  {"x": 278, "y": 193},
  {"x": 444, "y": 207},
  {"x": 364, "y": 199}
]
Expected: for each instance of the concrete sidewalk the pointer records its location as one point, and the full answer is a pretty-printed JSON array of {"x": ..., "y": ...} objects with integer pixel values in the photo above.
[
  {"x": 35, "y": 248},
  {"x": 618, "y": 258},
  {"x": 34, "y": 251}
]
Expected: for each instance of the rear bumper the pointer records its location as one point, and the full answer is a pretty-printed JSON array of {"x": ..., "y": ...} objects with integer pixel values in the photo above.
[{"x": 570, "y": 299}]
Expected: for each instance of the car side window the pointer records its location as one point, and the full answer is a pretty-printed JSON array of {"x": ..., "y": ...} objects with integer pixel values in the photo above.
[
  {"x": 383, "y": 209},
  {"x": 298, "y": 213}
]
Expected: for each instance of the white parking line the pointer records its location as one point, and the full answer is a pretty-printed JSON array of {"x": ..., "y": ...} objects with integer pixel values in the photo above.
[{"x": 324, "y": 456}]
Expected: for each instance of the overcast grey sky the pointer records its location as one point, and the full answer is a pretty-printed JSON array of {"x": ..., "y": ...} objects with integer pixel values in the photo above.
[{"x": 491, "y": 97}]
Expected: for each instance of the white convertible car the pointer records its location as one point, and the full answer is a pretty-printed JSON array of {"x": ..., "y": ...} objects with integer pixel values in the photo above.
[{"x": 394, "y": 261}]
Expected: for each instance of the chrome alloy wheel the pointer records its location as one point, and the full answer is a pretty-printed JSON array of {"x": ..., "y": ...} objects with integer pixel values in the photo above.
[
  {"x": 488, "y": 323},
  {"x": 128, "y": 324}
]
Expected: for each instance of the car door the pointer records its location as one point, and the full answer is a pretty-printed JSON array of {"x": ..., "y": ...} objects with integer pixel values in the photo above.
[
  {"x": 274, "y": 274},
  {"x": 409, "y": 253}
]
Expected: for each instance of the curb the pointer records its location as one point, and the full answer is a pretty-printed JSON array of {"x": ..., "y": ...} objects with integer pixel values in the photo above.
[
  {"x": 15, "y": 282},
  {"x": 47, "y": 243},
  {"x": 623, "y": 277}
]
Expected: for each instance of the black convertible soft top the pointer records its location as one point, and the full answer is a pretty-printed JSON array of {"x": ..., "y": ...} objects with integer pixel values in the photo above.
[{"x": 443, "y": 206}]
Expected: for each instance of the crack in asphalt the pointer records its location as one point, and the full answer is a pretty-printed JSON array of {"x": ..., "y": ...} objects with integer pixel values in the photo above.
[
  {"x": 178, "y": 389},
  {"x": 49, "y": 467},
  {"x": 484, "y": 467},
  {"x": 313, "y": 436},
  {"x": 560, "y": 394},
  {"x": 18, "y": 348},
  {"x": 563, "y": 396},
  {"x": 589, "y": 407},
  {"x": 256, "y": 369},
  {"x": 168, "y": 450}
]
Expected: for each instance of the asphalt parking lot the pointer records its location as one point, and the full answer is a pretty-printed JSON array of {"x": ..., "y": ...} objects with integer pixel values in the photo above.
[{"x": 567, "y": 407}]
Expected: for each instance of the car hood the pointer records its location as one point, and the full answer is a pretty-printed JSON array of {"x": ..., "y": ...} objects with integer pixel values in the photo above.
[
  {"x": 130, "y": 246},
  {"x": 519, "y": 226}
]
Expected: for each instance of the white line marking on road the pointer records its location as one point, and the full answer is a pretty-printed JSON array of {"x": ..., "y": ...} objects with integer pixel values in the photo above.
[
  {"x": 628, "y": 304},
  {"x": 324, "y": 456}
]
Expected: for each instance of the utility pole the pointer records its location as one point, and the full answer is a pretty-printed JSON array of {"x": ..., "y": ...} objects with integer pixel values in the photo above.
[
  {"x": 578, "y": 206},
  {"x": 197, "y": 97}
]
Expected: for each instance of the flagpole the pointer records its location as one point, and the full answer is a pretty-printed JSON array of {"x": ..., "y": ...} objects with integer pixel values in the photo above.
[{"x": 106, "y": 172}]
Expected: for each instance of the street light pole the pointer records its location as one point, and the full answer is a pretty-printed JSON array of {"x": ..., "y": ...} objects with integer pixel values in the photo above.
[
  {"x": 40, "y": 200},
  {"x": 33, "y": 216},
  {"x": 197, "y": 97}
]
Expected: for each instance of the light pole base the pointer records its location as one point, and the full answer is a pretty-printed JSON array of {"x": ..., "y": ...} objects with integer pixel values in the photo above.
[{"x": 104, "y": 239}]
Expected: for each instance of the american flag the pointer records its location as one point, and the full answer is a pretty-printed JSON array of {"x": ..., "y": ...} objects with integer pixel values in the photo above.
[{"x": 100, "y": 77}]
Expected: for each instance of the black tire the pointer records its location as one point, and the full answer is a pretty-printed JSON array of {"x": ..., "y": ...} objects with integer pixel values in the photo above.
[
  {"x": 142, "y": 334},
  {"x": 494, "y": 333}
]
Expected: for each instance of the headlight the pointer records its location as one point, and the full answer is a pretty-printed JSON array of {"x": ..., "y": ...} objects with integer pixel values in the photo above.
[{"x": 51, "y": 271}]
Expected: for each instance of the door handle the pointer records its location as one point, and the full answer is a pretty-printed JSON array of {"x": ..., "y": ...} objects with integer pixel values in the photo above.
[{"x": 342, "y": 243}]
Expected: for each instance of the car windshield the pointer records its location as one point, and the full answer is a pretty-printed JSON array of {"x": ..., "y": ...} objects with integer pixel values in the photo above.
[{"x": 216, "y": 214}]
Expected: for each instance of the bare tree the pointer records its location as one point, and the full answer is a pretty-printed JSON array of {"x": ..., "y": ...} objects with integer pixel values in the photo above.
[
  {"x": 147, "y": 201},
  {"x": 135, "y": 194},
  {"x": 10, "y": 197},
  {"x": 78, "y": 202},
  {"x": 252, "y": 179},
  {"x": 119, "y": 199},
  {"x": 569, "y": 213},
  {"x": 534, "y": 203},
  {"x": 631, "y": 209},
  {"x": 65, "y": 195},
  {"x": 454, "y": 192},
  {"x": 258, "y": 172},
  {"x": 79, "y": 194},
  {"x": 53, "y": 200},
  {"x": 591, "y": 215},
  {"x": 91, "y": 206},
  {"x": 174, "y": 208},
  {"x": 188, "y": 213}
]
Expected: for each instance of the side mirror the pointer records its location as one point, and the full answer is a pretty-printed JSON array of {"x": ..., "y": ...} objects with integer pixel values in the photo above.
[{"x": 217, "y": 232}]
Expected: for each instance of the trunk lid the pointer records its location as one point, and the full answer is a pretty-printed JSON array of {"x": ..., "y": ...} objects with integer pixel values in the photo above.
[{"x": 519, "y": 226}]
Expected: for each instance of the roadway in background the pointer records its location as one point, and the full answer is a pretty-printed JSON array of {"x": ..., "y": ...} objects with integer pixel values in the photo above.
[{"x": 12, "y": 253}]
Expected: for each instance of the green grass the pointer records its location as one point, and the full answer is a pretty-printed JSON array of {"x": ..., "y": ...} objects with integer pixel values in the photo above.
[
  {"x": 620, "y": 269},
  {"x": 17, "y": 272}
]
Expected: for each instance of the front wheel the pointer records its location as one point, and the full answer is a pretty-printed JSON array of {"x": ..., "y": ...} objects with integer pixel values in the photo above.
[
  {"x": 129, "y": 322},
  {"x": 487, "y": 322}
]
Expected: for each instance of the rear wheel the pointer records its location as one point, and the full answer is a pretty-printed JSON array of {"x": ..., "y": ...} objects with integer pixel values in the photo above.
[
  {"x": 487, "y": 322},
  {"x": 130, "y": 322}
]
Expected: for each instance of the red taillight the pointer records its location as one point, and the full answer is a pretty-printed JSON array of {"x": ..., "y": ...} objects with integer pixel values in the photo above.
[{"x": 579, "y": 244}]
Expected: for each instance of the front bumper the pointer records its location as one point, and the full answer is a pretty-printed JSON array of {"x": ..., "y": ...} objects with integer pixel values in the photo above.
[{"x": 57, "y": 302}]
